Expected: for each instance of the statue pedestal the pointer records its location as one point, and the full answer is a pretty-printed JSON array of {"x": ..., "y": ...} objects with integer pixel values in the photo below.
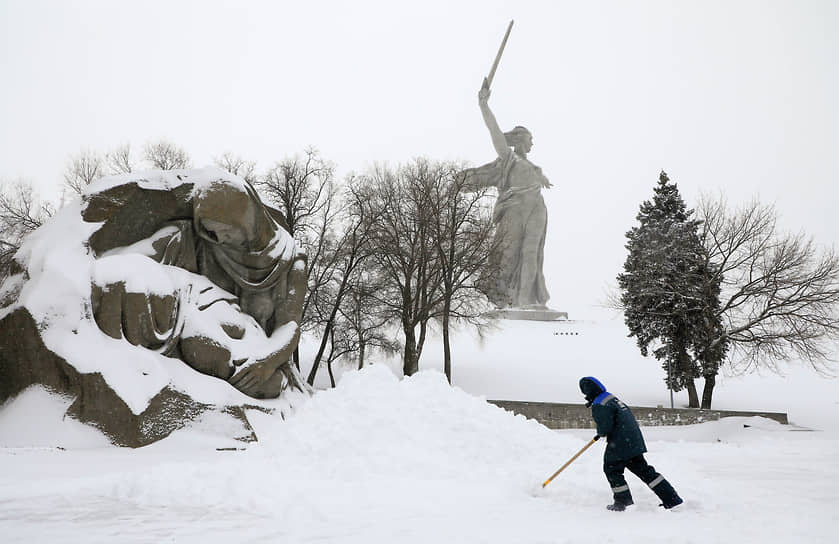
[{"x": 530, "y": 313}]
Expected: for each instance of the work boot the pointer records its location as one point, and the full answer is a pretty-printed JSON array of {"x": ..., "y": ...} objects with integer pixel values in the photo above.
[
  {"x": 662, "y": 488},
  {"x": 676, "y": 502},
  {"x": 621, "y": 502}
]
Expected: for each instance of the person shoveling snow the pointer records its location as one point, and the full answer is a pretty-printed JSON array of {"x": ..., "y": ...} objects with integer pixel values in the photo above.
[{"x": 625, "y": 447}]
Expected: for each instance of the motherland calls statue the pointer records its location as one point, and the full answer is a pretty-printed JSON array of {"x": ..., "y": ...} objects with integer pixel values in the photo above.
[{"x": 520, "y": 215}]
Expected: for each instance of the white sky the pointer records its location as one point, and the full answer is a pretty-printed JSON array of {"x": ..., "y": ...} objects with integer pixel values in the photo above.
[{"x": 731, "y": 96}]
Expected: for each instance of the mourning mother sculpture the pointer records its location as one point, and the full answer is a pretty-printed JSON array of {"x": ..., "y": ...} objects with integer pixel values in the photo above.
[
  {"x": 158, "y": 299},
  {"x": 232, "y": 305}
]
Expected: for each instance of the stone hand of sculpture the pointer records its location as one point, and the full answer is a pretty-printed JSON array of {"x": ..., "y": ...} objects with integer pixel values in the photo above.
[
  {"x": 484, "y": 93},
  {"x": 142, "y": 309},
  {"x": 144, "y": 319},
  {"x": 249, "y": 378},
  {"x": 254, "y": 375},
  {"x": 260, "y": 374}
]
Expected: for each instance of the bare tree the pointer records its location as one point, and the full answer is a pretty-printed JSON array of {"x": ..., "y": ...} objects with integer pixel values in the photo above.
[
  {"x": 779, "y": 295},
  {"x": 365, "y": 319},
  {"x": 359, "y": 328},
  {"x": 238, "y": 166},
  {"x": 463, "y": 241},
  {"x": 119, "y": 160},
  {"x": 339, "y": 345},
  {"x": 338, "y": 257},
  {"x": 20, "y": 214},
  {"x": 405, "y": 254},
  {"x": 164, "y": 155},
  {"x": 300, "y": 187},
  {"x": 82, "y": 169}
]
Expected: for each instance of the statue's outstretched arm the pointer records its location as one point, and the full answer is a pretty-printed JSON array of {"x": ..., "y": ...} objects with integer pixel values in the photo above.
[{"x": 498, "y": 140}]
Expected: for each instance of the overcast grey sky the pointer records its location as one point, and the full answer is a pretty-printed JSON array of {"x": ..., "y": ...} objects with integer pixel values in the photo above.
[{"x": 733, "y": 96}]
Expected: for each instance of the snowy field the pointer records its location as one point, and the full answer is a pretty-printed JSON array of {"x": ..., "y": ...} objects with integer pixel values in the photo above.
[{"x": 385, "y": 460}]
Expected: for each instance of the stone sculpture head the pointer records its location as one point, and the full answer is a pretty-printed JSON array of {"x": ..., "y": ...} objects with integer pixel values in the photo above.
[
  {"x": 232, "y": 217},
  {"x": 520, "y": 139}
]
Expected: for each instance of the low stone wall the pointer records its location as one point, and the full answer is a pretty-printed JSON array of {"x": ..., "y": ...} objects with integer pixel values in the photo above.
[{"x": 555, "y": 415}]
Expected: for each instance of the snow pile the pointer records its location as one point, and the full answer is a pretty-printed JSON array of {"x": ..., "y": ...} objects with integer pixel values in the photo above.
[
  {"x": 379, "y": 424},
  {"x": 372, "y": 428}
]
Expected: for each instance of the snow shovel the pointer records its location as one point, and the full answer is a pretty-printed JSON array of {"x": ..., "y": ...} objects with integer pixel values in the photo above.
[{"x": 555, "y": 474}]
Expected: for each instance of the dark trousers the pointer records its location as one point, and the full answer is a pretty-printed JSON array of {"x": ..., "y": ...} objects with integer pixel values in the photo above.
[{"x": 639, "y": 467}]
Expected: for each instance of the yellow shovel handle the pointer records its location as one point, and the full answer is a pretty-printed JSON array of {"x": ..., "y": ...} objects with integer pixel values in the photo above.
[{"x": 555, "y": 474}]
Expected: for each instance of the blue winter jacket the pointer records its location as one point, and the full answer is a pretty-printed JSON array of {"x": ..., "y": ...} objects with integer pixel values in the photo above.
[{"x": 614, "y": 420}]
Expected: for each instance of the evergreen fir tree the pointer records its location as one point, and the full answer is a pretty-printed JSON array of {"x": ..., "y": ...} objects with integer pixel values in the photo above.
[{"x": 665, "y": 294}]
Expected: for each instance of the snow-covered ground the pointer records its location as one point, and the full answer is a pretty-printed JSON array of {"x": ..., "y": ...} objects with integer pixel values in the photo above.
[{"x": 380, "y": 459}]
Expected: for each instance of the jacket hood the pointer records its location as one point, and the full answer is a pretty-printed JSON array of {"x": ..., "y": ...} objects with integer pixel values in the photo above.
[{"x": 591, "y": 387}]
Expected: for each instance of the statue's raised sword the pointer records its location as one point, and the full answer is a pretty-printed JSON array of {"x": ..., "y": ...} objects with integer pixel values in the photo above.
[{"x": 498, "y": 56}]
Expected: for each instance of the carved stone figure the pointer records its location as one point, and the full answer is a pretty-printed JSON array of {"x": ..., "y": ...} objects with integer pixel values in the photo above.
[
  {"x": 151, "y": 273},
  {"x": 517, "y": 280},
  {"x": 232, "y": 310}
]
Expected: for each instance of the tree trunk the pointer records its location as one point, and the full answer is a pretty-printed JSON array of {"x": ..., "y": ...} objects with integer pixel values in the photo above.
[
  {"x": 361, "y": 346},
  {"x": 686, "y": 364},
  {"x": 316, "y": 363},
  {"x": 447, "y": 352},
  {"x": 314, "y": 370},
  {"x": 330, "y": 325},
  {"x": 708, "y": 391},
  {"x": 421, "y": 340},
  {"x": 331, "y": 375},
  {"x": 693, "y": 397},
  {"x": 410, "y": 364},
  {"x": 329, "y": 360}
]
